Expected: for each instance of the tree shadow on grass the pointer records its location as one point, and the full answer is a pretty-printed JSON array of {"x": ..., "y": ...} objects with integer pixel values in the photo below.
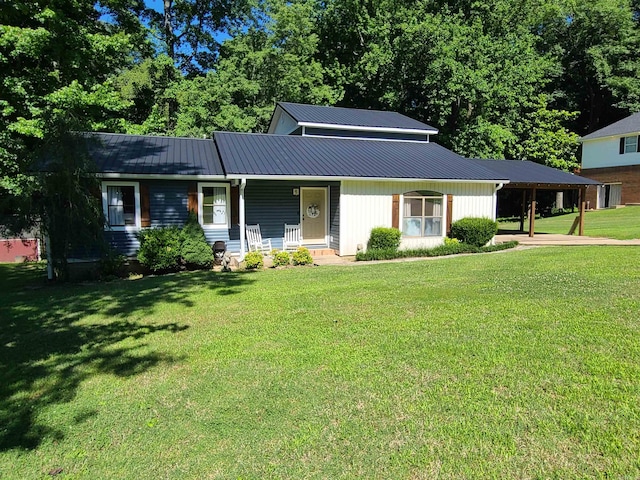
[{"x": 53, "y": 338}]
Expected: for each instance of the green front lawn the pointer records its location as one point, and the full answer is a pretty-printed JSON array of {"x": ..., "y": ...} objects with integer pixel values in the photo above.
[
  {"x": 522, "y": 364},
  {"x": 620, "y": 223}
]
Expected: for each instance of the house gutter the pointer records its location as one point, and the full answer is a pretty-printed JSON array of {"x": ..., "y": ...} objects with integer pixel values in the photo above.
[{"x": 243, "y": 184}]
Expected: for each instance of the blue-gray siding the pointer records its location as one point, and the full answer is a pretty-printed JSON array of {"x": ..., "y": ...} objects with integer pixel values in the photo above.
[
  {"x": 269, "y": 203},
  {"x": 329, "y": 132},
  {"x": 272, "y": 204},
  {"x": 168, "y": 202}
]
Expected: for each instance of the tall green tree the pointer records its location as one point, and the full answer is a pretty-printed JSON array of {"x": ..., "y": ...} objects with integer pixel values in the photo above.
[
  {"x": 56, "y": 58},
  {"x": 271, "y": 57},
  {"x": 474, "y": 69},
  {"x": 599, "y": 43},
  {"x": 188, "y": 31}
]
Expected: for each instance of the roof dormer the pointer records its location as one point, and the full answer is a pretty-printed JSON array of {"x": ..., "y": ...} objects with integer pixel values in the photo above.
[{"x": 311, "y": 120}]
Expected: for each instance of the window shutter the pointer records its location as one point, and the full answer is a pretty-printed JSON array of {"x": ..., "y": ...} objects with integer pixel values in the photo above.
[
  {"x": 449, "y": 213},
  {"x": 621, "y": 145},
  {"x": 192, "y": 203},
  {"x": 235, "y": 205},
  {"x": 145, "y": 206},
  {"x": 395, "y": 211}
]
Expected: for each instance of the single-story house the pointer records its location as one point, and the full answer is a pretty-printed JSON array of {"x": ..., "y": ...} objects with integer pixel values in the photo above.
[{"x": 337, "y": 172}]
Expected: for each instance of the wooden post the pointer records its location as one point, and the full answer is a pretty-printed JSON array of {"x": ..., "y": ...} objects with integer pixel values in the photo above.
[
  {"x": 532, "y": 216},
  {"x": 583, "y": 204},
  {"x": 524, "y": 209}
]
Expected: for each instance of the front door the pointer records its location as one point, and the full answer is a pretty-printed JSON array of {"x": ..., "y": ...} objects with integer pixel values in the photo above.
[{"x": 313, "y": 212}]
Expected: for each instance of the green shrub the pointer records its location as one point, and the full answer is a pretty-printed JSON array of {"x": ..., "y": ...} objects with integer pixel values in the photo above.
[
  {"x": 302, "y": 257},
  {"x": 194, "y": 250},
  {"x": 384, "y": 238},
  {"x": 111, "y": 264},
  {"x": 253, "y": 260},
  {"x": 474, "y": 231},
  {"x": 281, "y": 259},
  {"x": 160, "y": 248},
  {"x": 451, "y": 241},
  {"x": 379, "y": 254},
  {"x": 453, "y": 248}
]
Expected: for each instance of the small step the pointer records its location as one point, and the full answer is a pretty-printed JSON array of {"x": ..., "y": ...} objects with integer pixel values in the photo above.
[{"x": 322, "y": 252}]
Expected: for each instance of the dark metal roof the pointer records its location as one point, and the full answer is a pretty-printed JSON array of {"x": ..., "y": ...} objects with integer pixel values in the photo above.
[
  {"x": 352, "y": 117},
  {"x": 517, "y": 171},
  {"x": 245, "y": 154},
  {"x": 631, "y": 124},
  {"x": 147, "y": 155}
]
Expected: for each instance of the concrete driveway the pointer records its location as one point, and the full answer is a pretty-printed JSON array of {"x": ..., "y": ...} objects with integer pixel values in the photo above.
[{"x": 557, "y": 239}]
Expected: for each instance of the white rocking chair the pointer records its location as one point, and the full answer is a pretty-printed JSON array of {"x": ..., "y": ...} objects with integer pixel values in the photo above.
[
  {"x": 255, "y": 241},
  {"x": 292, "y": 238}
]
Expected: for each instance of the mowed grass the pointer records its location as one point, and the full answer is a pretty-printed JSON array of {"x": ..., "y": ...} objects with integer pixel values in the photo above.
[
  {"x": 619, "y": 223},
  {"x": 521, "y": 364}
]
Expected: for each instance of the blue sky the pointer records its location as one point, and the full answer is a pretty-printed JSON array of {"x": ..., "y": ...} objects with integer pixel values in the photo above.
[{"x": 155, "y": 4}]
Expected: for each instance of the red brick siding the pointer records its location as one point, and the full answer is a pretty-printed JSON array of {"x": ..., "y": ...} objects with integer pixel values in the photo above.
[{"x": 629, "y": 176}]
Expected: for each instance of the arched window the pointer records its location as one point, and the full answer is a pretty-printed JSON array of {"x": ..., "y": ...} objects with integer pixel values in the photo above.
[{"x": 422, "y": 214}]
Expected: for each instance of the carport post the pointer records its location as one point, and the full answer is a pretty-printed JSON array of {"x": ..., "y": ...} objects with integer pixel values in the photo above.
[
  {"x": 583, "y": 205},
  {"x": 532, "y": 216},
  {"x": 524, "y": 209}
]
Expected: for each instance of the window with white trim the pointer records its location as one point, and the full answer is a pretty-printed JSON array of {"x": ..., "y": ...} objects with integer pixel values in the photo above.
[
  {"x": 214, "y": 205},
  {"x": 422, "y": 214},
  {"x": 631, "y": 144},
  {"x": 121, "y": 204}
]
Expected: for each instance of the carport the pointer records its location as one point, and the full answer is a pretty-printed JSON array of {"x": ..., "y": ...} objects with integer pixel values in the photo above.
[{"x": 530, "y": 177}]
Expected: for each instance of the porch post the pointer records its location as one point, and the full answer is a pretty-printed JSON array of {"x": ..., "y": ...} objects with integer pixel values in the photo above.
[
  {"x": 583, "y": 204},
  {"x": 243, "y": 184},
  {"x": 524, "y": 209},
  {"x": 532, "y": 217}
]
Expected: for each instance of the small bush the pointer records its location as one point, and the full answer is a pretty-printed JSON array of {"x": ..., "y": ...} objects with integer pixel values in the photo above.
[
  {"x": 379, "y": 254},
  {"x": 160, "y": 248},
  {"x": 196, "y": 253},
  {"x": 194, "y": 250},
  {"x": 451, "y": 241},
  {"x": 474, "y": 231},
  {"x": 302, "y": 257},
  {"x": 384, "y": 238},
  {"x": 111, "y": 264},
  {"x": 281, "y": 259},
  {"x": 439, "y": 251},
  {"x": 254, "y": 261}
]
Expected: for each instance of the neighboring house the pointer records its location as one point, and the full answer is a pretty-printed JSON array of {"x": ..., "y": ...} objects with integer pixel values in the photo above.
[
  {"x": 20, "y": 248},
  {"x": 337, "y": 172},
  {"x": 611, "y": 156}
]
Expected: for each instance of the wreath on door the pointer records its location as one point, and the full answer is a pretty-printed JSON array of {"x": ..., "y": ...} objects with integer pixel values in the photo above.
[{"x": 313, "y": 211}]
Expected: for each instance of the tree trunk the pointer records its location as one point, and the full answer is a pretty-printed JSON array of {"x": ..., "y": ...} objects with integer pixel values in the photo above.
[{"x": 168, "y": 30}]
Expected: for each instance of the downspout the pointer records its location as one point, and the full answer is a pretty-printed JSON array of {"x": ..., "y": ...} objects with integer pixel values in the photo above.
[{"x": 243, "y": 184}]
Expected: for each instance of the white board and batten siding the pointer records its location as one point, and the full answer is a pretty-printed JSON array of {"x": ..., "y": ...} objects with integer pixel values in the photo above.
[{"x": 365, "y": 205}]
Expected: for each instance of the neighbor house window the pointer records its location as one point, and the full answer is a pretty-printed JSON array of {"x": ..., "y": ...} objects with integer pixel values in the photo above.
[
  {"x": 630, "y": 144},
  {"x": 422, "y": 214},
  {"x": 121, "y": 204},
  {"x": 213, "y": 205}
]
